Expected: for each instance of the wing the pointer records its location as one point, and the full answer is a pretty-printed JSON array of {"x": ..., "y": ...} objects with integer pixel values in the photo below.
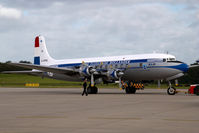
[
  {"x": 175, "y": 76},
  {"x": 21, "y": 72},
  {"x": 191, "y": 66},
  {"x": 52, "y": 69}
]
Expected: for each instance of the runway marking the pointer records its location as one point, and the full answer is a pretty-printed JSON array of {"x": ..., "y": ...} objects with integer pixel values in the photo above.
[
  {"x": 42, "y": 117},
  {"x": 183, "y": 120},
  {"x": 115, "y": 118}
]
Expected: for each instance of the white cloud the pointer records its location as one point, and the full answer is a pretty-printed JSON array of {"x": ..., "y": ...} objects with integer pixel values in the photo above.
[
  {"x": 90, "y": 28},
  {"x": 9, "y": 12}
]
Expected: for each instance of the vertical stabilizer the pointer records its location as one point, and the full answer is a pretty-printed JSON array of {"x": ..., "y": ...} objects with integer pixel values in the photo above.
[{"x": 41, "y": 56}]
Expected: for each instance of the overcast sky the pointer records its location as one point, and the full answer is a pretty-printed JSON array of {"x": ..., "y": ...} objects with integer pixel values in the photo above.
[{"x": 90, "y": 28}]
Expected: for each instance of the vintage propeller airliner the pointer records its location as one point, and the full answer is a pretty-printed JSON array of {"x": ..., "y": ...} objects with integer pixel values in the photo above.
[{"x": 125, "y": 69}]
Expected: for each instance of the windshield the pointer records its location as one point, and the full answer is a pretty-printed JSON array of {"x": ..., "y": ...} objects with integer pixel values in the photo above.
[{"x": 169, "y": 59}]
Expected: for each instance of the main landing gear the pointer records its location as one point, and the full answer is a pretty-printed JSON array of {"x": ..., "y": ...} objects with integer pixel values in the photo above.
[
  {"x": 131, "y": 87},
  {"x": 92, "y": 90},
  {"x": 171, "y": 90},
  {"x": 130, "y": 90}
]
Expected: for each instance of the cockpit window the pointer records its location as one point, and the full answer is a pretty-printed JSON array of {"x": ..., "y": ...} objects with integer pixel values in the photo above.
[
  {"x": 169, "y": 59},
  {"x": 172, "y": 59}
]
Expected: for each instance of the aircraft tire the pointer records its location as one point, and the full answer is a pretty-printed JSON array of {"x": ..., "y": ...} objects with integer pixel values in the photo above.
[
  {"x": 130, "y": 90},
  {"x": 133, "y": 90},
  {"x": 89, "y": 90},
  {"x": 92, "y": 90},
  {"x": 171, "y": 91},
  {"x": 127, "y": 90},
  {"x": 95, "y": 90}
]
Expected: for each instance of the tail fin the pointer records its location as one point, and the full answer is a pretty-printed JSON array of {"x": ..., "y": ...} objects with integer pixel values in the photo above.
[{"x": 41, "y": 56}]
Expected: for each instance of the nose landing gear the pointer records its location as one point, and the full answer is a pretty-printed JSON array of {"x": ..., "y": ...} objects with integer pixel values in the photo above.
[{"x": 171, "y": 90}]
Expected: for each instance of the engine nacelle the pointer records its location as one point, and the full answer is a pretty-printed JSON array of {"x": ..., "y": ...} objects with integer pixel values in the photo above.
[
  {"x": 115, "y": 74},
  {"x": 86, "y": 71},
  {"x": 98, "y": 80}
]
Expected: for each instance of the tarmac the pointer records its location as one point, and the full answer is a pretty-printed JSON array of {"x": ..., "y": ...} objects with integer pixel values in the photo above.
[{"x": 57, "y": 110}]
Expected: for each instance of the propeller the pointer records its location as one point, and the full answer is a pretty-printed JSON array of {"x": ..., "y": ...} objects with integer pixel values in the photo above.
[
  {"x": 116, "y": 74},
  {"x": 86, "y": 70}
]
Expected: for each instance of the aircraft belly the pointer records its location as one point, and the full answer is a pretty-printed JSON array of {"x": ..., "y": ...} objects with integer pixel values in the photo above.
[
  {"x": 60, "y": 76},
  {"x": 66, "y": 77},
  {"x": 150, "y": 73}
]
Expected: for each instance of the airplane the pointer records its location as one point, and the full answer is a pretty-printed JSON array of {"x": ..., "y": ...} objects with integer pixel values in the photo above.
[{"x": 125, "y": 70}]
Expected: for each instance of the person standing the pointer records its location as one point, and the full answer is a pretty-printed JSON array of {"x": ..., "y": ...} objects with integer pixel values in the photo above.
[{"x": 85, "y": 88}]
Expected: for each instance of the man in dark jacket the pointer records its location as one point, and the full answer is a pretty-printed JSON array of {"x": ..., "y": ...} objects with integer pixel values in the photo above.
[{"x": 85, "y": 88}]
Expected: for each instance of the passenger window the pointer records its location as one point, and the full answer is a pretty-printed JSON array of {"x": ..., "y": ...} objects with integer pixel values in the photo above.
[
  {"x": 164, "y": 60},
  {"x": 106, "y": 67},
  {"x": 122, "y": 66},
  {"x": 116, "y": 65}
]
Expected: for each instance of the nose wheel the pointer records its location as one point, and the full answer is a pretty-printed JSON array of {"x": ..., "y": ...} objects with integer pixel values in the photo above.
[{"x": 171, "y": 91}]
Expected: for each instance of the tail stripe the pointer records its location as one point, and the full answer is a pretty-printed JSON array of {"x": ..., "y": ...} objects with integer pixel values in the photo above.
[
  {"x": 37, "y": 60},
  {"x": 36, "y": 42}
]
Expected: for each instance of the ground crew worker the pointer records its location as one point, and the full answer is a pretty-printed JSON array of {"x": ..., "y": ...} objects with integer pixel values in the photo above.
[{"x": 85, "y": 88}]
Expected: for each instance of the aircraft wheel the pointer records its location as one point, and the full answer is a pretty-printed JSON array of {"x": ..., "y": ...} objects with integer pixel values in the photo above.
[
  {"x": 92, "y": 90},
  {"x": 127, "y": 90},
  {"x": 130, "y": 90},
  {"x": 95, "y": 90},
  {"x": 171, "y": 91},
  {"x": 133, "y": 90},
  {"x": 89, "y": 90}
]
